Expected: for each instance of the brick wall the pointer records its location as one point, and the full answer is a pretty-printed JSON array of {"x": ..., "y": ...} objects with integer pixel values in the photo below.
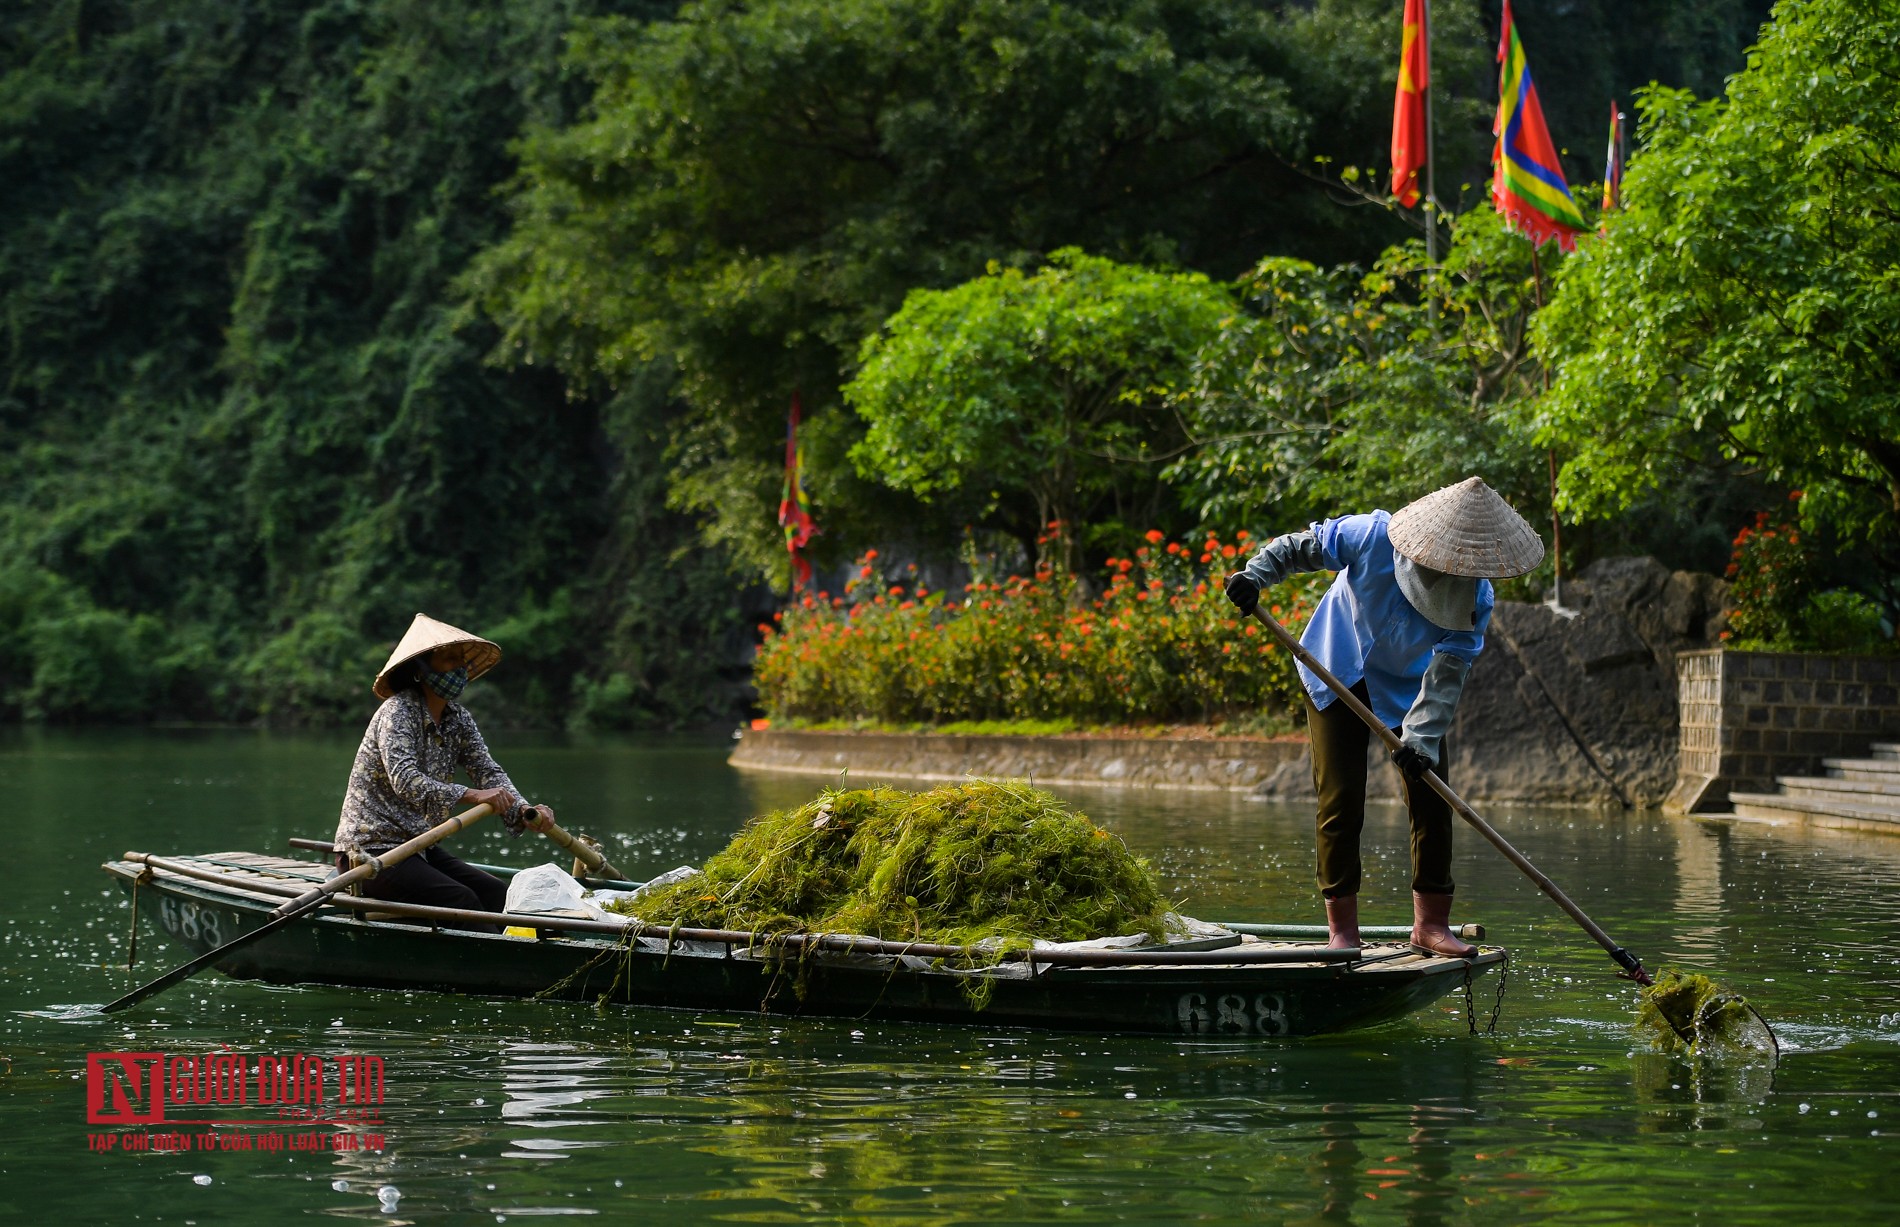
[{"x": 1747, "y": 717}]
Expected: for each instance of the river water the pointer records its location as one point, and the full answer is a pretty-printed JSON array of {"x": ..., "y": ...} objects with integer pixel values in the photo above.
[{"x": 500, "y": 1110}]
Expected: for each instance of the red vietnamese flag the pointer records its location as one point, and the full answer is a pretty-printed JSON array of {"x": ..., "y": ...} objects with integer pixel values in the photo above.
[{"x": 1408, "y": 107}]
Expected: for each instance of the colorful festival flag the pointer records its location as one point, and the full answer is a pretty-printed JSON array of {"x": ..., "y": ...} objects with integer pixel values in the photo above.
[
  {"x": 1527, "y": 184},
  {"x": 1408, "y": 106},
  {"x": 794, "y": 508},
  {"x": 1613, "y": 164}
]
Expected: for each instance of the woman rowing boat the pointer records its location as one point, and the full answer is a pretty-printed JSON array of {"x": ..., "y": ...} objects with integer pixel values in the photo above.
[
  {"x": 1400, "y": 626},
  {"x": 403, "y": 780}
]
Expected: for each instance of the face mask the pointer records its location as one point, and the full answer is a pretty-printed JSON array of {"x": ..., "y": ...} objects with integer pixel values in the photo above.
[{"x": 447, "y": 686}]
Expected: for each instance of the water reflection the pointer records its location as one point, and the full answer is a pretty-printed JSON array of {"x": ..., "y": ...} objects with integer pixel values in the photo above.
[{"x": 512, "y": 1108}]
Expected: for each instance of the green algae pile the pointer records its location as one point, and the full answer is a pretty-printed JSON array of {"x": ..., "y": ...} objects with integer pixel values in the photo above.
[
  {"x": 1692, "y": 1015},
  {"x": 960, "y": 865}
]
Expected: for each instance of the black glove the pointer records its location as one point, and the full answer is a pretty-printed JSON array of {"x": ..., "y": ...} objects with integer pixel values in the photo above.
[
  {"x": 1243, "y": 592},
  {"x": 1413, "y": 762}
]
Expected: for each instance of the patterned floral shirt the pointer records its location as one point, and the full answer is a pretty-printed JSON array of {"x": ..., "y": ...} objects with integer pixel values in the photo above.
[{"x": 400, "y": 785}]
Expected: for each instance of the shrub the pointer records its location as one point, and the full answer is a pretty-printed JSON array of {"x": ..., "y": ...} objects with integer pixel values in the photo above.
[
  {"x": 1155, "y": 640},
  {"x": 1769, "y": 577},
  {"x": 1775, "y": 608}
]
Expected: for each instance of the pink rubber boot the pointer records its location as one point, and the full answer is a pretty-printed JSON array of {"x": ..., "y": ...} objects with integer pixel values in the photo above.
[
  {"x": 1431, "y": 928},
  {"x": 1342, "y": 922}
]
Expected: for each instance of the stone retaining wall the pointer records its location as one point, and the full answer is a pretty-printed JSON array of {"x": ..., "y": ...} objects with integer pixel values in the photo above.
[
  {"x": 1223, "y": 763},
  {"x": 1748, "y": 717}
]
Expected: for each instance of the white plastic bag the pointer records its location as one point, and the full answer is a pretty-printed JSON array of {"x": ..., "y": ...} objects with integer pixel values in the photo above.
[
  {"x": 549, "y": 890},
  {"x": 666, "y": 879}
]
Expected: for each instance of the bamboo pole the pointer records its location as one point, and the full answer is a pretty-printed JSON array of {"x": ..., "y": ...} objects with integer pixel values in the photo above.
[
  {"x": 584, "y": 852},
  {"x": 308, "y": 901}
]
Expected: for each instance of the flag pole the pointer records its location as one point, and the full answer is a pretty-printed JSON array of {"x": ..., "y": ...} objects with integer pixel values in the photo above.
[
  {"x": 1431, "y": 186},
  {"x": 1550, "y": 456}
]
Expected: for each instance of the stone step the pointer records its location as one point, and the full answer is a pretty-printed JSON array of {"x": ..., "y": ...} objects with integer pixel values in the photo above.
[
  {"x": 1886, "y": 749},
  {"x": 1823, "y": 786},
  {"x": 1865, "y": 814},
  {"x": 1857, "y": 768}
]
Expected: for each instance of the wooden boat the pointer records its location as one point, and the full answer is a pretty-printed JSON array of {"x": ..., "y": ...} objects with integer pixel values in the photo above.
[{"x": 1229, "y": 986}]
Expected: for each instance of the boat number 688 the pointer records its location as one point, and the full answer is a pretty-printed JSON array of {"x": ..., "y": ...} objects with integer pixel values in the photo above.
[
  {"x": 191, "y": 922},
  {"x": 1231, "y": 1014}
]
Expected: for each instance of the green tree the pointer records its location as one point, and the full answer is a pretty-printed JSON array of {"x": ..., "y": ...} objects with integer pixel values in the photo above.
[
  {"x": 1342, "y": 390},
  {"x": 755, "y": 189},
  {"x": 1743, "y": 301},
  {"x": 1047, "y": 396},
  {"x": 245, "y": 432}
]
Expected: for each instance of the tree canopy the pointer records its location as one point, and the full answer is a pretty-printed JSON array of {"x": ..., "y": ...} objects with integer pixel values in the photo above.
[
  {"x": 1046, "y": 399},
  {"x": 319, "y": 313},
  {"x": 1742, "y": 301},
  {"x": 755, "y": 189},
  {"x": 244, "y": 432}
]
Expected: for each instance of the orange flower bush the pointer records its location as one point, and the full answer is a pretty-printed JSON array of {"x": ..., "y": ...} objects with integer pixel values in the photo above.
[
  {"x": 1769, "y": 583},
  {"x": 1158, "y": 643}
]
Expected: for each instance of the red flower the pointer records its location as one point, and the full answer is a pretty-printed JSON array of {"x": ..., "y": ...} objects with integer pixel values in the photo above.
[{"x": 1155, "y": 536}]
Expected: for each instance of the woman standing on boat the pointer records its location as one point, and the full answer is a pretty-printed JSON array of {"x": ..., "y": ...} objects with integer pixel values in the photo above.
[
  {"x": 402, "y": 782},
  {"x": 1401, "y": 626}
]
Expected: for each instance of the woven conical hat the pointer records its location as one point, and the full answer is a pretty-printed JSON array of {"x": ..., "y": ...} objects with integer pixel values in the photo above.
[
  {"x": 425, "y": 635},
  {"x": 1466, "y": 529}
]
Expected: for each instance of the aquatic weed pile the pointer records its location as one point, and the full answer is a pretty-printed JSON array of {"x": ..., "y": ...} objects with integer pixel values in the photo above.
[
  {"x": 958, "y": 865},
  {"x": 1692, "y": 1014}
]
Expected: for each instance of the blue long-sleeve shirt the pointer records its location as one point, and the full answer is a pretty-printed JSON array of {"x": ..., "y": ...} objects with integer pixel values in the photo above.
[{"x": 1365, "y": 629}]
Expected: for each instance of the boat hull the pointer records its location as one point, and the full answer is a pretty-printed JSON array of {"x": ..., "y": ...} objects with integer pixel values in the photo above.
[{"x": 1263, "y": 1001}]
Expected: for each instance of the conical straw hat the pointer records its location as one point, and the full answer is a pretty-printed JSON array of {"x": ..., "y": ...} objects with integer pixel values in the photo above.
[
  {"x": 1466, "y": 529},
  {"x": 425, "y": 635}
]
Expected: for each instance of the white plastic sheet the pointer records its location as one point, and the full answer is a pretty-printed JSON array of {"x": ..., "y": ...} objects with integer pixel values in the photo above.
[{"x": 549, "y": 890}]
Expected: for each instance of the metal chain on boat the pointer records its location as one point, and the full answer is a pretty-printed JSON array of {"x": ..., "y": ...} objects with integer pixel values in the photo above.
[{"x": 1497, "y": 1004}]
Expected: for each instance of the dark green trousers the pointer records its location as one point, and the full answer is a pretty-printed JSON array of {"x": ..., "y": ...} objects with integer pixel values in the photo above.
[{"x": 1339, "y": 776}]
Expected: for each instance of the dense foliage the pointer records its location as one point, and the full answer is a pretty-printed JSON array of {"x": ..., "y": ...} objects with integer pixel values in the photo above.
[
  {"x": 1779, "y": 602},
  {"x": 1158, "y": 642},
  {"x": 1742, "y": 303},
  {"x": 245, "y": 434},
  {"x": 1341, "y": 388},
  {"x": 320, "y": 313},
  {"x": 1039, "y": 400}
]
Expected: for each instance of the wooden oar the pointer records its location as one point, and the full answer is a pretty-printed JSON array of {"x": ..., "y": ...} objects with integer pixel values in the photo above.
[
  {"x": 1631, "y": 965},
  {"x": 303, "y": 905},
  {"x": 584, "y": 852}
]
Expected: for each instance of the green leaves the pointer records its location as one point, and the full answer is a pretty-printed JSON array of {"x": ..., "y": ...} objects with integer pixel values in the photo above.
[
  {"x": 1050, "y": 391},
  {"x": 1338, "y": 388},
  {"x": 1743, "y": 300},
  {"x": 756, "y": 188}
]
